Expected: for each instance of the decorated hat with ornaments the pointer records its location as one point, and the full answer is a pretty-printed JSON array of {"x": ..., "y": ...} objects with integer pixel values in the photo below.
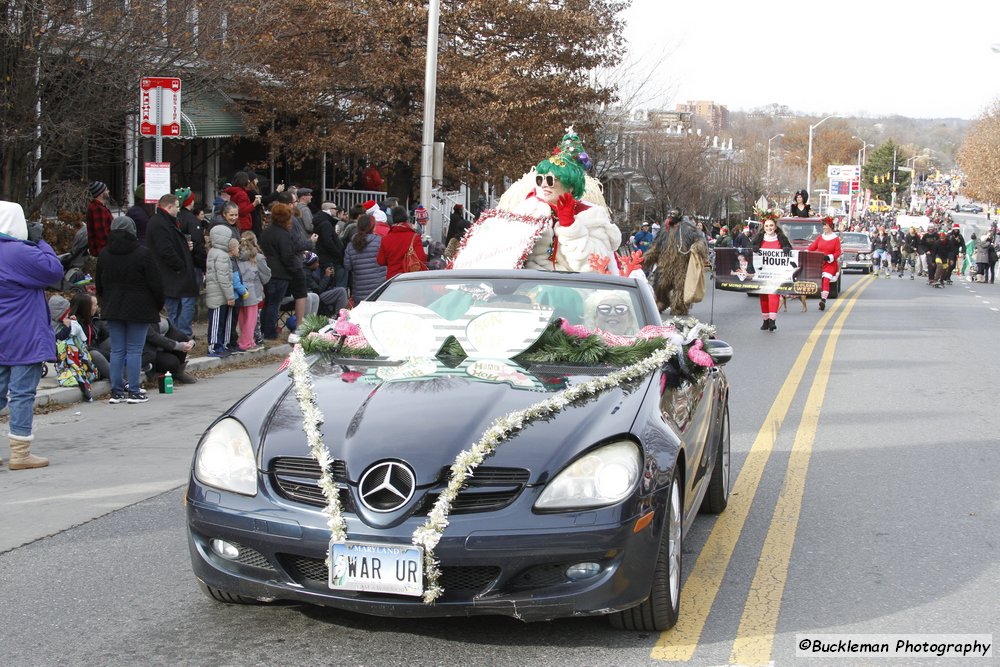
[{"x": 569, "y": 163}]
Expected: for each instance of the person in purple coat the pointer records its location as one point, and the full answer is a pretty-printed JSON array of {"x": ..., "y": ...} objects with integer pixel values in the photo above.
[{"x": 26, "y": 338}]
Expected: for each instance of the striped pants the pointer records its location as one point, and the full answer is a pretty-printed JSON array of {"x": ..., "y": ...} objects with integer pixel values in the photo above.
[{"x": 220, "y": 327}]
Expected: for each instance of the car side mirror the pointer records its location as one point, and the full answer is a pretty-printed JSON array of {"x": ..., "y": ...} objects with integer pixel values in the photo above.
[{"x": 720, "y": 351}]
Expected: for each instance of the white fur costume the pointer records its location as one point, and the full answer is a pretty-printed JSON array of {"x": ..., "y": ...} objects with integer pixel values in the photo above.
[{"x": 592, "y": 231}]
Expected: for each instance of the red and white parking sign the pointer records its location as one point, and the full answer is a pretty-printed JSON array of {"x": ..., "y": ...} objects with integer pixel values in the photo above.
[{"x": 149, "y": 99}]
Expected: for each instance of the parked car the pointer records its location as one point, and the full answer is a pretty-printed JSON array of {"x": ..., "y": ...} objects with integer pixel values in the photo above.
[
  {"x": 582, "y": 512},
  {"x": 856, "y": 251}
]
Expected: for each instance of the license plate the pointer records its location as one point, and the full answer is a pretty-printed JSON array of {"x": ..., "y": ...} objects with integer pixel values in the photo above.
[{"x": 377, "y": 568}]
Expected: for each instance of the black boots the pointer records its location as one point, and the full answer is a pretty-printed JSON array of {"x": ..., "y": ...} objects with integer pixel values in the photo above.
[
  {"x": 822, "y": 304},
  {"x": 765, "y": 326}
]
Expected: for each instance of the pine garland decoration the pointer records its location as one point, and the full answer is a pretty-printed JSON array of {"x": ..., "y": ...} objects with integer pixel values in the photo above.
[{"x": 556, "y": 346}]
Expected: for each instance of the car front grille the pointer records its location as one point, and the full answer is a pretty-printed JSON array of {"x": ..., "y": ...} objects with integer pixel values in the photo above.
[
  {"x": 490, "y": 489},
  {"x": 459, "y": 582},
  {"x": 297, "y": 478}
]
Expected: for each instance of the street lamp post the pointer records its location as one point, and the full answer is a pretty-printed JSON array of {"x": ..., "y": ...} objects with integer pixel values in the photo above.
[
  {"x": 809, "y": 161},
  {"x": 430, "y": 94},
  {"x": 780, "y": 134}
]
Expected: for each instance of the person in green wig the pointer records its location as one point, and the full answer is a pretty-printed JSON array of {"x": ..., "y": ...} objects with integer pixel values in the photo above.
[{"x": 577, "y": 222}]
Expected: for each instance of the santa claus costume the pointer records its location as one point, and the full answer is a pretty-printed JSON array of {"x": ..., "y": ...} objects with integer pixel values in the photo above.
[{"x": 827, "y": 243}]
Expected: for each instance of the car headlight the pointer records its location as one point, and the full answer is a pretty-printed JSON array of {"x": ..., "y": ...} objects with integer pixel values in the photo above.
[
  {"x": 863, "y": 256},
  {"x": 225, "y": 459},
  {"x": 601, "y": 477}
]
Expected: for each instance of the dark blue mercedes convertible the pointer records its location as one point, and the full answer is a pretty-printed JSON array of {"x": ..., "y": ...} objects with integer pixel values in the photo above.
[{"x": 522, "y": 443}]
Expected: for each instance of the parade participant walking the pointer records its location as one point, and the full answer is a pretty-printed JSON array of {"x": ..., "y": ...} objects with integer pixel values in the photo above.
[
  {"x": 669, "y": 264},
  {"x": 882, "y": 252},
  {"x": 26, "y": 339},
  {"x": 130, "y": 292},
  {"x": 911, "y": 253},
  {"x": 98, "y": 218},
  {"x": 401, "y": 250},
  {"x": 800, "y": 205},
  {"x": 827, "y": 243},
  {"x": 173, "y": 259},
  {"x": 956, "y": 249},
  {"x": 770, "y": 237},
  {"x": 932, "y": 242},
  {"x": 991, "y": 261}
]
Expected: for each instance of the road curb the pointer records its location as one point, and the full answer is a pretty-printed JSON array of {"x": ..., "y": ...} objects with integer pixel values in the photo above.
[{"x": 69, "y": 395}]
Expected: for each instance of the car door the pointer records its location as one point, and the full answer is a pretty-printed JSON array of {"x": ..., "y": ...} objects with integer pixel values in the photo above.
[{"x": 689, "y": 409}]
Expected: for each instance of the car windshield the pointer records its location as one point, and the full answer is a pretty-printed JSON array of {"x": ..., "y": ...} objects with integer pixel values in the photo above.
[
  {"x": 612, "y": 308},
  {"x": 855, "y": 238},
  {"x": 801, "y": 231}
]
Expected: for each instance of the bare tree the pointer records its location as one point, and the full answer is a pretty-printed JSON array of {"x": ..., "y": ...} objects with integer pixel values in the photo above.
[
  {"x": 979, "y": 156},
  {"x": 71, "y": 70}
]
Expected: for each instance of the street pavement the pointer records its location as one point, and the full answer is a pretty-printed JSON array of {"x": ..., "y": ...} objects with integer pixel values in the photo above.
[
  {"x": 104, "y": 457},
  {"x": 873, "y": 511}
]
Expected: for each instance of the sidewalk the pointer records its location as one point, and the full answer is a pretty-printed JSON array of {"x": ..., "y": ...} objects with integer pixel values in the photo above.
[{"x": 51, "y": 394}]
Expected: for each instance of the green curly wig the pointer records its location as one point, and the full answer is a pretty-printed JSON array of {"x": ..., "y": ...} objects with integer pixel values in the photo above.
[{"x": 567, "y": 164}]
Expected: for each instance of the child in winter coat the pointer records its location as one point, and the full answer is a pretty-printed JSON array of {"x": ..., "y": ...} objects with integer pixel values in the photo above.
[
  {"x": 255, "y": 272},
  {"x": 220, "y": 296}
]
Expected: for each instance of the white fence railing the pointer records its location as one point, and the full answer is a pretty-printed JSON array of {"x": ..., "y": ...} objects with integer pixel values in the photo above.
[{"x": 345, "y": 199}]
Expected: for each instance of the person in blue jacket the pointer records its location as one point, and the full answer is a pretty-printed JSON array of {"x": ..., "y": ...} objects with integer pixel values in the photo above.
[{"x": 27, "y": 266}]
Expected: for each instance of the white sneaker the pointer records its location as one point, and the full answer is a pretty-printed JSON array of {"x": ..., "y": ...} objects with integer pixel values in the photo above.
[{"x": 293, "y": 338}]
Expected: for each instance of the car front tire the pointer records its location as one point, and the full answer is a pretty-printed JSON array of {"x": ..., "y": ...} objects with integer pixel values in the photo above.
[
  {"x": 661, "y": 609},
  {"x": 717, "y": 494}
]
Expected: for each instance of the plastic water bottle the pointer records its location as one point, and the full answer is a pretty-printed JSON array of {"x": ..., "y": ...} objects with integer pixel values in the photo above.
[{"x": 168, "y": 383}]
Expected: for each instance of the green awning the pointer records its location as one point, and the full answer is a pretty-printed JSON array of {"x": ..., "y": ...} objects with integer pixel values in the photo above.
[{"x": 209, "y": 114}]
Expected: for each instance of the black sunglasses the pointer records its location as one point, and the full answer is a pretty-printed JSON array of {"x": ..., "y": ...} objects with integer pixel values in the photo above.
[
  {"x": 606, "y": 308},
  {"x": 549, "y": 179}
]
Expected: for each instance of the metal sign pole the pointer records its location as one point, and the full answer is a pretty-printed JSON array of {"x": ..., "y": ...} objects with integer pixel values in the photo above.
[{"x": 159, "y": 124}]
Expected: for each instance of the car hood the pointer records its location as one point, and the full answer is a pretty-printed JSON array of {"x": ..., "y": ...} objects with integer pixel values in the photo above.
[{"x": 428, "y": 419}]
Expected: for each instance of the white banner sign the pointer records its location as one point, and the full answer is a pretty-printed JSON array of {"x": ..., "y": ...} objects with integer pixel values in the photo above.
[
  {"x": 157, "y": 181},
  {"x": 499, "y": 240}
]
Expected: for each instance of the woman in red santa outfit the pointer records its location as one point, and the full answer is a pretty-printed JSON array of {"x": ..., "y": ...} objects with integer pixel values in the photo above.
[
  {"x": 827, "y": 243},
  {"x": 770, "y": 237}
]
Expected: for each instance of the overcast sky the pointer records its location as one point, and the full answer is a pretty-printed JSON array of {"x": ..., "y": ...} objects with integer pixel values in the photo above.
[{"x": 851, "y": 57}]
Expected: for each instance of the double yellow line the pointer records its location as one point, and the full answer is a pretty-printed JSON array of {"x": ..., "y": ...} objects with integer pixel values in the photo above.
[{"x": 755, "y": 636}]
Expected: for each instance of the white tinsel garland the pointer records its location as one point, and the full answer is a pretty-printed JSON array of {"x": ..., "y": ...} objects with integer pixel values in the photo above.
[
  {"x": 311, "y": 420},
  {"x": 503, "y": 428}
]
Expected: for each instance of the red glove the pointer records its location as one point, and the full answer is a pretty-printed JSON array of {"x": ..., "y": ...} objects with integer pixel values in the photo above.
[{"x": 565, "y": 209}]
